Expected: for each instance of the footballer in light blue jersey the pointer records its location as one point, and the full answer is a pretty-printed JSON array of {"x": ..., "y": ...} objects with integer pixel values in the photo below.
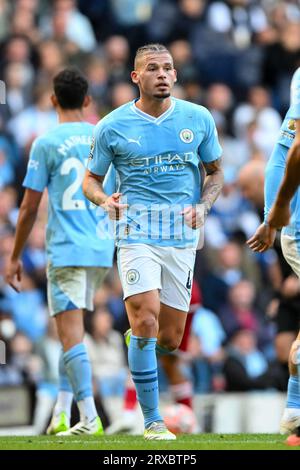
[
  {"x": 57, "y": 161},
  {"x": 157, "y": 145},
  {"x": 78, "y": 257},
  {"x": 157, "y": 162},
  {"x": 277, "y": 212},
  {"x": 277, "y": 162}
]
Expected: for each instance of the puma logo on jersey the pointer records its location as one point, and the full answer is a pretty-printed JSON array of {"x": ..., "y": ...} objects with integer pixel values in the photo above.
[
  {"x": 34, "y": 164},
  {"x": 134, "y": 141}
]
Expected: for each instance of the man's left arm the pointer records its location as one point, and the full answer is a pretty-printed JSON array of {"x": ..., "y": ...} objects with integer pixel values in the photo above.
[
  {"x": 212, "y": 187},
  {"x": 213, "y": 183}
]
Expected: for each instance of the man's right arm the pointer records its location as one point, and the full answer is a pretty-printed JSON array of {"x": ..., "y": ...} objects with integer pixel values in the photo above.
[
  {"x": 280, "y": 213},
  {"x": 93, "y": 189},
  {"x": 27, "y": 215}
]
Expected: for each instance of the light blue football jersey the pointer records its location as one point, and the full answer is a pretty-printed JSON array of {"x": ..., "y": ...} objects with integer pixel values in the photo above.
[
  {"x": 287, "y": 130},
  {"x": 277, "y": 162},
  {"x": 157, "y": 164},
  {"x": 76, "y": 228}
]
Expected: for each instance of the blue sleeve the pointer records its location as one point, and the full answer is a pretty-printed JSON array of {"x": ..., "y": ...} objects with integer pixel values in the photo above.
[
  {"x": 209, "y": 149},
  {"x": 273, "y": 175},
  {"x": 37, "y": 174},
  {"x": 101, "y": 155},
  {"x": 294, "y": 111}
]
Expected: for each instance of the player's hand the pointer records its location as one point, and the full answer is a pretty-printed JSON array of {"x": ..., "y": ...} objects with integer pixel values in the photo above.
[
  {"x": 13, "y": 274},
  {"x": 194, "y": 216},
  {"x": 113, "y": 206},
  {"x": 279, "y": 216},
  {"x": 263, "y": 238}
]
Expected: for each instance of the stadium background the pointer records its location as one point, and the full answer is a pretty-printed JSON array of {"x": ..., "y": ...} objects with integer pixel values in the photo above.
[{"x": 236, "y": 57}]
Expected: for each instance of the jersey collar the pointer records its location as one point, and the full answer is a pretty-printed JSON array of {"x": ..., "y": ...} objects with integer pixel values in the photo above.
[{"x": 150, "y": 118}]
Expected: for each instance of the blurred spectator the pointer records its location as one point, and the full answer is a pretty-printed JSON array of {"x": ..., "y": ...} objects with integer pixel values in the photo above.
[
  {"x": 52, "y": 59},
  {"x": 267, "y": 121},
  {"x": 230, "y": 214},
  {"x": 35, "y": 119},
  {"x": 280, "y": 61},
  {"x": 246, "y": 368},
  {"x": 219, "y": 100},
  {"x": 8, "y": 211},
  {"x": 4, "y": 18},
  {"x": 239, "y": 311},
  {"x": 68, "y": 23},
  {"x": 18, "y": 87},
  {"x": 117, "y": 56},
  {"x": 205, "y": 348},
  {"x": 105, "y": 346},
  {"x": 121, "y": 93},
  {"x": 225, "y": 268},
  {"x": 115, "y": 302},
  {"x": 27, "y": 308},
  {"x": 23, "y": 357},
  {"x": 97, "y": 76},
  {"x": 17, "y": 48}
]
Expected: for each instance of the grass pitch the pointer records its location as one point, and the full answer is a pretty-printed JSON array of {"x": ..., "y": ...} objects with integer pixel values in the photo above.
[{"x": 124, "y": 442}]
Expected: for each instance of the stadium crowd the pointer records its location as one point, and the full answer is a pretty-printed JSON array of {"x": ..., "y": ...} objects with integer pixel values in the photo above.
[{"x": 236, "y": 57}]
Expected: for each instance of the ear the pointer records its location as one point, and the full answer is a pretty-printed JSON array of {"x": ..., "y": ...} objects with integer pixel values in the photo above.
[
  {"x": 54, "y": 100},
  {"x": 135, "y": 77},
  {"x": 87, "y": 101},
  {"x": 175, "y": 73}
]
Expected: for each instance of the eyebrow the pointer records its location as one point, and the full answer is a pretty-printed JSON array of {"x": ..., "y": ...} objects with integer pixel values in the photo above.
[{"x": 156, "y": 63}]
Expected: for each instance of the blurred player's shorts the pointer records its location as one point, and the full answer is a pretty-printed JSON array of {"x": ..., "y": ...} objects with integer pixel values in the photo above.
[
  {"x": 71, "y": 288},
  {"x": 145, "y": 267},
  {"x": 290, "y": 244}
]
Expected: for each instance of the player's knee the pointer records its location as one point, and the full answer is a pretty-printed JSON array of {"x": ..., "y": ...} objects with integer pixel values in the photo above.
[
  {"x": 171, "y": 338},
  {"x": 170, "y": 343},
  {"x": 294, "y": 357},
  {"x": 146, "y": 324}
]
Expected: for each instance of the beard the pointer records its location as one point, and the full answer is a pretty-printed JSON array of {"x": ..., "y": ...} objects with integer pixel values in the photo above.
[{"x": 163, "y": 95}]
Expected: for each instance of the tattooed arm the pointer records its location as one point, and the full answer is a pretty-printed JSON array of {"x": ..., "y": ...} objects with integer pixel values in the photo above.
[
  {"x": 213, "y": 183},
  {"x": 93, "y": 190}
]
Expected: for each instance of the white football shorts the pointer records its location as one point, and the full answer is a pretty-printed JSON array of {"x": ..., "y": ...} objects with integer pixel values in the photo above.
[
  {"x": 291, "y": 251},
  {"x": 72, "y": 288},
  {"x": 148, "y": 267}
]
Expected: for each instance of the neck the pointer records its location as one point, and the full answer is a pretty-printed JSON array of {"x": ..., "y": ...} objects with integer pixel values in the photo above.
[
  {"x": 70, "y": 115},
  {"x": 153, "y": 107}
]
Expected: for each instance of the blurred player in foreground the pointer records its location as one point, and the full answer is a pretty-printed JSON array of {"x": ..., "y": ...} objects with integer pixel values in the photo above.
[
  {"x": 77, "y": 258},
  {"x": 286, "y": 150},
  {"x": 156, "y": 144},
  {"x": 284, "y": 282}
]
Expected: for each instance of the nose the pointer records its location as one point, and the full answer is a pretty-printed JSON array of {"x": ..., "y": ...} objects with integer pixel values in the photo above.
[{"x": 162, "y": 73}]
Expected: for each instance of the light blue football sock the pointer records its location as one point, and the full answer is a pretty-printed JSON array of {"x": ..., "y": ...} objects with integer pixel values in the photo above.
[
  {"x": 64, "y": 382},
  {"x": 143, "y": 367},
  {"x": 293, "y": 392},
  {"x": 79, "y": 371}
]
